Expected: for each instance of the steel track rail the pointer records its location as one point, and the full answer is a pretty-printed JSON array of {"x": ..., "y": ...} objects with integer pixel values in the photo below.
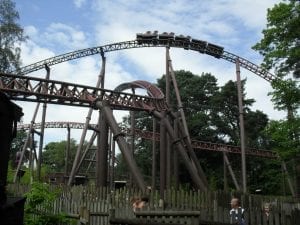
[
  {"x": 137, "y": 44},
  {"x": 34, "y": 89},
  {"x": 199, "y": 145}
]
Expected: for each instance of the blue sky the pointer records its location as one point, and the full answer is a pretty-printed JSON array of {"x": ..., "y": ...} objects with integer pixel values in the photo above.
[{"x": 59, "y": 26}]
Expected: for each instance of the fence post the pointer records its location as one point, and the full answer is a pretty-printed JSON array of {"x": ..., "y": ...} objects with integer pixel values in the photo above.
[
  {"x": 112, "y": 213},
  {"x": 84, "y": 215}
]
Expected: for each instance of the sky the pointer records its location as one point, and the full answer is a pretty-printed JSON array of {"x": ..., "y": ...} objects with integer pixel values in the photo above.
[{"x": 55, "y": 27}]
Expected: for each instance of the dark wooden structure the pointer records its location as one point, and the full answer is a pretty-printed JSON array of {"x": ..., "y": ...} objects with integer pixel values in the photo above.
[{"x": 11, "y": 209}]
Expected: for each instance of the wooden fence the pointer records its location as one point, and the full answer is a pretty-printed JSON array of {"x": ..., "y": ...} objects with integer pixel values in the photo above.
[{"x": 205, "y": 206}]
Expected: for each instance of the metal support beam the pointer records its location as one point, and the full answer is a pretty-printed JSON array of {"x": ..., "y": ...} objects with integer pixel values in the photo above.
[
  {"x": 162, "y": 157},
  {"x": 100, "y": 81},
  {"x": 87, "y": 148},
  {"x": 108, "y": 113},
  {"x": 184, "y": 156},
  {"x": 27, "y": 142},
  {"x": 31, "y": 158},
  {"x": 102, "y": 152},
  {"x": 242, "y": 127},
  {"x": 67, "y": 150},
  {"x": 168, "y": 143},
  {"x": 225, "y": 173},
  {"x": 237, "y": 186},
  {"x": 41, "y": 143},
  {"x": 185, "y": 131},
  {"x": 290, "y": 183},
  {"x": 192, "y": 155},
  {"x": 175, "y": 156},
  {"x": 113, "y": 159},
  {"x": 132, "y": 136},
  {"x": 153, "y": 155}
]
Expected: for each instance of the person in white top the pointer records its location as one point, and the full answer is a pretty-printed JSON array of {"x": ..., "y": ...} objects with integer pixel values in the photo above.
[{"x": 236, "y": 212}]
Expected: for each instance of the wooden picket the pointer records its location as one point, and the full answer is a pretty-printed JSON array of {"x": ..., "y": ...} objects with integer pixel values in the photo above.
[{"x": 208, "y": 206}]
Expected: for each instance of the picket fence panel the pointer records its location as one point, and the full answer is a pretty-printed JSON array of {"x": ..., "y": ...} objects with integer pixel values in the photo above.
[{"x": 211, "y": 206}]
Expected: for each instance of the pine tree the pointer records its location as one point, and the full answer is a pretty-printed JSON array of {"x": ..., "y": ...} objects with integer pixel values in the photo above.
[{"x": 11, "y": 36}]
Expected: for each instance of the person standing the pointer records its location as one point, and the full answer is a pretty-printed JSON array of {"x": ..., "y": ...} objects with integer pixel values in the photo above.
[{"x": 236, "y": 212}]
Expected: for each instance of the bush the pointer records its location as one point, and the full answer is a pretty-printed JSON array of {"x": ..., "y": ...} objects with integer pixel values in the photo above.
[{"x": 38, "y": 207}]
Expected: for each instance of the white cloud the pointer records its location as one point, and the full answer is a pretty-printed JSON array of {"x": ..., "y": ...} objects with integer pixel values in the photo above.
[
  {"x": 66, "y": 36},
  {"x": 31, "y": 52},
  {"x": 79, "y": 3},
  {"x": 58, "y": 36}
]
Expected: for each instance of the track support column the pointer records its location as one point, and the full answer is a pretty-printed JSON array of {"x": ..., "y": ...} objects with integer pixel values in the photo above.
[
  {"x": 39, "y": 163},
  {"x": 153, "y": 155},
  {"x": 162, "y": 158},
  {"x": 118, "y": 135},
  {"x": 67, "y": 150},
  {"x": 242, "y": 127},
  {"x": 102, "y": 152},
  {"x": 181, "y": 150}
]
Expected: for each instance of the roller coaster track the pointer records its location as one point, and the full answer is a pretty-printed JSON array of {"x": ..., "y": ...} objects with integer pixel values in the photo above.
[
  {"x": 34, "y": 89},
  {"x": 137, "y": 44},
  {"x": 199, "y": 145}
]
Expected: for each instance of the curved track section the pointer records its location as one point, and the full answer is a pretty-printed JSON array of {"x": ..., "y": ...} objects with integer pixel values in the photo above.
[
  {"x": 149, "y": 43},
  {"x": 199, "y": 145},
  {"x": 152, "y": 90}
]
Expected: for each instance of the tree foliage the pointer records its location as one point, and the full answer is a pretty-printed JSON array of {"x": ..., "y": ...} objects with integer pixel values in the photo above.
[
  {"x": 38, "y": 207},
  {"x": 54, "y": 155},
  {"x": 212, "y": 115},
  {"x": 284, "y": 137},
  {"x": 11, "y": 35},
  {"x": 280, "y": 45},
  {"x": 286, "y": 96}
]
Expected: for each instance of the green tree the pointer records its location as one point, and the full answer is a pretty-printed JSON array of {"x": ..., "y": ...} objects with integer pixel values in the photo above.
[
  {"x": 280, "y": 45},
  {"x": 282, "y": 139},
  {"x": 54, "y": 155},
  {"x": 197, "y": 94},
  {"x": 286, "y": 96},
  {"x": 11, "y": 35}
]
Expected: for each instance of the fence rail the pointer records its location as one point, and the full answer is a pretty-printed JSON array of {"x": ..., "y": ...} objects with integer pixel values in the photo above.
[{"x": 183, "y": 207}]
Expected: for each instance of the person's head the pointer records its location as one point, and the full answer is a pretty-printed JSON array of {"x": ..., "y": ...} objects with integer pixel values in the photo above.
[
  {"x": 267, "y": 207},
  {"x": 235, "y": 203}
]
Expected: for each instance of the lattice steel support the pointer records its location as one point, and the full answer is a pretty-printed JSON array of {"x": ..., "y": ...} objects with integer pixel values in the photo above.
[
  {"x": 197, "y": 145},
  {"x": 83, "y": 157},
  {"x": 137, "y": 44}
]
